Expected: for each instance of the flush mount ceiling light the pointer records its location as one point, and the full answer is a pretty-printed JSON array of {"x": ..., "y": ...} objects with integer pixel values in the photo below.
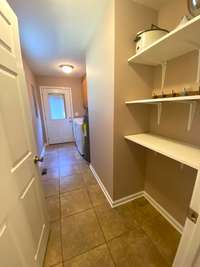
[{"x": 67, "y": 68}]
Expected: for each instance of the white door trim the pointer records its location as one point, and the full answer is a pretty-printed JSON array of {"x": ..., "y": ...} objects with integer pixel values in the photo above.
[{"x": 42, "y": 88}]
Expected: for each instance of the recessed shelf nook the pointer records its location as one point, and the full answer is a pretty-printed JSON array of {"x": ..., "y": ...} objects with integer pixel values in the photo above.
[{"x": 180, "y": 41}]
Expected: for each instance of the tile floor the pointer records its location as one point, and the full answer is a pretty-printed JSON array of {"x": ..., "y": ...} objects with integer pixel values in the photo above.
[{"x": 86, "y": 232}]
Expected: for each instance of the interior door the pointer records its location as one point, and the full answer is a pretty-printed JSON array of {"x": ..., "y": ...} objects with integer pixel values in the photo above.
[
  {"x": 58, "y": 113},
  {"x": 189, "y": 249},
  {"x": 23, "y": 220}
]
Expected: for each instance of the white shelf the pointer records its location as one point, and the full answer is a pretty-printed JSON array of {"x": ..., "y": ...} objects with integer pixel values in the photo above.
[
  {"x": 178, "y": 42},
  {"x": 182, "y": 152},
  {"x": 165, "y": 99}
]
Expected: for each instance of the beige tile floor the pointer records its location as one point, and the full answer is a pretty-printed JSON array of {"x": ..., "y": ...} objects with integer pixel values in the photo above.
[{"x": 86, "y": 232}]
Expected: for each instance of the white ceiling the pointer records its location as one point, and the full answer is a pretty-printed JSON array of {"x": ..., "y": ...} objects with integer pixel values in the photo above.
[
  {"x": 155, "y": 4},
  {"x": 54, "y": 32}
]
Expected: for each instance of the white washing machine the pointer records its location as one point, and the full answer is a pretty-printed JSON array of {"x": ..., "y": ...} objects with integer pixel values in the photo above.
[{"x": 79, "y": 134}]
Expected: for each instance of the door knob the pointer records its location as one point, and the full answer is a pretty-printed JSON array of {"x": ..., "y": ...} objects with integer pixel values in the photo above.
[{"x": 38, "y": 159}]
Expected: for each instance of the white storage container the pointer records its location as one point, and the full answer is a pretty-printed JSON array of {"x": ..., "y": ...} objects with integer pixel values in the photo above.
[{"x": 147, "y": 37}]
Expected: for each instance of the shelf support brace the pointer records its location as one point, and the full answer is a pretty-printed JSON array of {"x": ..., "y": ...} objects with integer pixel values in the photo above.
[
  {"x": 198, "y": 68},
  {"x": 192, "y": 111},
  {"x": 159, "y": 110},
  {"x": 181, "y": 166},
  {"x": 164, "y": 69}
]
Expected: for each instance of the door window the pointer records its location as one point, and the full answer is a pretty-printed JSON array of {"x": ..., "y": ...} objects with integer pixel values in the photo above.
[{"x": 57, "y": 106}]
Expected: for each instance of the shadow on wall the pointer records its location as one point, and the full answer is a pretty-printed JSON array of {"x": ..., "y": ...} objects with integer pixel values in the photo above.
[{"x": 141, "y": 117}]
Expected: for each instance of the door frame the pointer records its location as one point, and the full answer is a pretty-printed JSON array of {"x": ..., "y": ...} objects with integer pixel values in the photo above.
[{"x": 42, "y": 88}]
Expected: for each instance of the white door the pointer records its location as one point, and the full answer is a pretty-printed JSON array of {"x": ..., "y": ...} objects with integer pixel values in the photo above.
[
  {"x": 189, "y": 248},
  {"x": 58, "y": 114},
  {"x": 23, "y": 223}
]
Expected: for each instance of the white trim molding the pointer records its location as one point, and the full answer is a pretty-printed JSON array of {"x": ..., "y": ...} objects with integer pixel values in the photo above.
[
  {"x": 122, "y": 201},
  {"x": 42, "y": 89},
  {"x": 164, "y": 213},
  {"x": 118, "y": 202},
  {"x": 43, "y": 151},
  {"x": 107, "y": 195}
]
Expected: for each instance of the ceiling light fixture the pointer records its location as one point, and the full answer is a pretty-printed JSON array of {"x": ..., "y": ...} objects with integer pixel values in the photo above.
[{"x": 67, "y": 68}]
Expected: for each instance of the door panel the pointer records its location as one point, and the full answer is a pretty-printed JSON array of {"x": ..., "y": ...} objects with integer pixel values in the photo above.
[
  {"x": 8, "y": 248},
  {"x": 23, "y": 174},
  {"x": 12, "y": 117},
  {"x": 31, "y": 206},
  {"x": 6, "y": 40},
  {"x": 23, "y": 220}
]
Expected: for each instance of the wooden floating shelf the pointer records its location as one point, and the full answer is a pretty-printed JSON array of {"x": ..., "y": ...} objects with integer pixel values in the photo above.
[
  {"x": 178, "y": 42},
  {"x": 182, "y": 152},
  {"x": 165, "y": 99}
]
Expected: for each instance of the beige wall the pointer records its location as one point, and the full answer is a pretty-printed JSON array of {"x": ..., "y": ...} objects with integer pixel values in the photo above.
[
  {"x": 171, "y": 14},
  {"x": 166, "y": 181},
  {"x": 36, "y": 119},
  {"x": 123, "y": 167},
  {"x": 100, "y": 76},
  {"x": 73, "y": 83},
  {"x": 131, "y": 82}
]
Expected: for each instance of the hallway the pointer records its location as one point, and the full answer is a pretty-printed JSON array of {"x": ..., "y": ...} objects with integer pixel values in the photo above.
[{"x": 86, "y": 232}]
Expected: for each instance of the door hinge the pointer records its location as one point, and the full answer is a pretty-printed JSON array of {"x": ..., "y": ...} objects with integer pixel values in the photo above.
[{"x": 193, "y": 215}]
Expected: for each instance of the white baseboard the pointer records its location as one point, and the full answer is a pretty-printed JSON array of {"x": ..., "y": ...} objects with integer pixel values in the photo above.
[
  {"x": 153, "y": 202},
  {"x": 164, "y": 213},
  {"x": 127, "y": 199},
  {"x": 107, "y": 195},
  {"x": 114, "y": 203}
]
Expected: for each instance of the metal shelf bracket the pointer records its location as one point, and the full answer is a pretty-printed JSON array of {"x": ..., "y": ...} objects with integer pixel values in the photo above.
[
  {"x": 192, "y": 111},
  {"x": 159, "y": 111},
  {"x": 164, "y": 70}
]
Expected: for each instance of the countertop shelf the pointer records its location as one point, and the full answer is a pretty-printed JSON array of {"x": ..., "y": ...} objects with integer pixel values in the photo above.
[
  {"x": 180, "y": 41},
  {"x": 184, "y": 153},
  {"x": 165, "y": 99}
]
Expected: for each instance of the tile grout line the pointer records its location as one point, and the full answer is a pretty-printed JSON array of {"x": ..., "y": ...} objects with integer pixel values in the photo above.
[
  {"x": 93, "y": 207},
  {"x": 156, "y": 246},
  {"x": 83, "y": 253},
  {"x": 61, "y": 243},
  {"x": 107, "y": 241},
  {"x": 60, "y": 194},
  {"x": 104, "y": 238}
]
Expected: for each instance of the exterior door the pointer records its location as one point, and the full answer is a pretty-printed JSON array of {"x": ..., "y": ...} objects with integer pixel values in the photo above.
[
  {"x": 58, "y": 113},
  {"x": 23, "y": 223}
]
